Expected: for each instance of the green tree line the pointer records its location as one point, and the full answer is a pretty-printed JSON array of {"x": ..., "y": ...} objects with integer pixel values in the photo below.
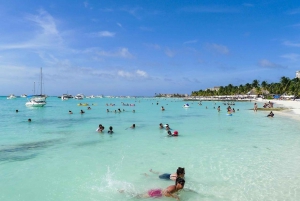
[{"x": 285, "y": 86}]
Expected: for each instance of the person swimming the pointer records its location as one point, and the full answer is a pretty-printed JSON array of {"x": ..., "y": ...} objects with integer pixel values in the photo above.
[
  {"x": 110, "y": 130},
  {"x": 100, "y": 128},
  {"x": 170, "y": 134},
  {"x": 271, "y": 114},
  {"x": 170, "y": 191},
  {"x": 161, "y": 126},
  {"x": 180, "y": 172}
]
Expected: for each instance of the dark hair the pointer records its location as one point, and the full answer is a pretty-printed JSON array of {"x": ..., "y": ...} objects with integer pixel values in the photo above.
[
  {"x": 180, "y": 180},
  {"x": 179, "y": 171}
]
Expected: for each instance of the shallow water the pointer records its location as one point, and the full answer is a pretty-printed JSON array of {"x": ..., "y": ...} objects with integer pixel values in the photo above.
[{"x": 59, "y": 156}]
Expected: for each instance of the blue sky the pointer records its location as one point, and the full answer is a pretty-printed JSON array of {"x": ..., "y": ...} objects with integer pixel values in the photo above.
[{"x": 142, "y": 47}]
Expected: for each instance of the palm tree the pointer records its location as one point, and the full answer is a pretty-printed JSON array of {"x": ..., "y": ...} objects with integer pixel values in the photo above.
[
  {"x": 284, "y": 82},
  {"x": 255, "y": 83},
  {"x": 264, "y": 84}
]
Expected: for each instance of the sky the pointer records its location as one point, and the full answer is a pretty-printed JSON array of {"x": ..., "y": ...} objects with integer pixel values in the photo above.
[{"x": 143, "y": 47}]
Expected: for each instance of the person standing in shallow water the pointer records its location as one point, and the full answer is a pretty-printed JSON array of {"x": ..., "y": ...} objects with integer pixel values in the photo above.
[{"x": 255, "y": 107}]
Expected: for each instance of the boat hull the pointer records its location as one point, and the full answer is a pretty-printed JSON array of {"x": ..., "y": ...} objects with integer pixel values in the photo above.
[{"x": 32, "y": 104}]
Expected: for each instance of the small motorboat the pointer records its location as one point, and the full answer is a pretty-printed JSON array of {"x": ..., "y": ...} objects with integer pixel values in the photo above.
[
  {"x": 11, "y": 96},
  {"x": 186, "y": 105}
]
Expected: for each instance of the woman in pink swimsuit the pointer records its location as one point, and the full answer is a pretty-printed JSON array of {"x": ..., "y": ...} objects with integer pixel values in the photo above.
[{"x": 168, "y": 192}]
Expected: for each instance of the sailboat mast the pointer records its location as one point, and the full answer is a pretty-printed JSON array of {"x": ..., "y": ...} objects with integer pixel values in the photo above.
[
  {"x": 33, "y": 88},
  {"x": 41, "y": 82}
]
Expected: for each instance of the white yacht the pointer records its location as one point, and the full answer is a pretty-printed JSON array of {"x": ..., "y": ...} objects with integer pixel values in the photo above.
[
  {"x": 23, "y": 96},
  {"x": 64, "y": 97},
  {"x": 11, "y": 96},
  {"x": 79, "y": 96},
  {"x": 36, "y": 101},
  {"x": 92, "y": 96}
]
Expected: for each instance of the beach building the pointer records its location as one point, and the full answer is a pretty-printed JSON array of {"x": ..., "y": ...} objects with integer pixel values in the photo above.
[
  {"x": 213, "y": 89},
  {"x": 298, "y": 74}
]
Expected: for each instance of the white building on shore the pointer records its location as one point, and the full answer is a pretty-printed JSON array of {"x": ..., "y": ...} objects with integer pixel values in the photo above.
[
  {"x": 213, "y": 89},
  {"x": 298, "y": 74}
]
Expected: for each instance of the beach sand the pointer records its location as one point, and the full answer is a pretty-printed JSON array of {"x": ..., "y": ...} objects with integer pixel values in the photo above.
[{"x": 293, "y": 107}]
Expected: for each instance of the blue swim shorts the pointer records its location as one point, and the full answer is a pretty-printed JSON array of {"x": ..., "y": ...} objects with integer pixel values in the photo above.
[{"x": 165, "y": 176}]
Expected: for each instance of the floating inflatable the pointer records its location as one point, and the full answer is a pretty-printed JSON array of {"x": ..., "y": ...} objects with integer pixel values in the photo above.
[
  {"x": 175, "y": 133},
  {"x": 229, "y": 114},
  {"x": 82, "y": 104}
]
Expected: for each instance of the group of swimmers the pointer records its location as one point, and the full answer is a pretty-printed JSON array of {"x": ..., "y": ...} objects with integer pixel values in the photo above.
[
  {"x": 101, "y": 128},
  {"x": 268, "y": 105},
  {"x": 118, "y": 111},
  {"x": 167, "y": 127},
  {"x": 229, "y": 110},
  {"x": 170, "y": 191}
]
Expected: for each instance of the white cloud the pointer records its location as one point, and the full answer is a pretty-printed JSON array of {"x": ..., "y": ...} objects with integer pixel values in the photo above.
[
  {"x": 218, "y": 48},
  {"x": 190, "y": 41},
  {"x": 143, "y": 28},
  {"x": 248, "y": 5},
  {"x": 121, "y": 52},
  {"x": 46, "y": 36},
  {"x": 210, "y": 9},
  {"x": 105, "y": 34},
  {"x": 86, "y": 4},
  {"x": 125, "y": 74},
  {"x": 288, "y": 43},
  {"x": 291, "y": 56},
  {"x": 169, "y": 52},
  {"x": 268, "y": 64},
  {"x": 141, "y": 73},
  {"x": 132, "y": 75},
  {"x": 120, "y": 25},
  {"x": 45, "y": 21},
  {"x": 294, "y": 11},
  {"x": 154, "y": 46}
]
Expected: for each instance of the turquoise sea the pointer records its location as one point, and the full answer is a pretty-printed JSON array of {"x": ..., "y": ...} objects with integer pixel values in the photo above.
[{"x": 59, "y": 156}]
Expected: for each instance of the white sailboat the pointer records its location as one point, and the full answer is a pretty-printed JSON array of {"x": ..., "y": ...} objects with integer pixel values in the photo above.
[{"x": 37, "y": 100}]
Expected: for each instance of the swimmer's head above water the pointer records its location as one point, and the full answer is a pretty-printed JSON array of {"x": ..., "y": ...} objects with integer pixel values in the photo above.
[{"x": 179, "y": 183}]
